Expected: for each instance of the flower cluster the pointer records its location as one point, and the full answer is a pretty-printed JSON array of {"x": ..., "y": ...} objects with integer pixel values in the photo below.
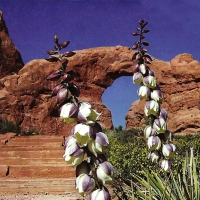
[
  {"x": 85, "y": 147},
  {"x": 159, "y": 138}
]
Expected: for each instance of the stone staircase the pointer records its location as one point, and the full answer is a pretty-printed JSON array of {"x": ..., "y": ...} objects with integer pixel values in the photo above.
[{"x": 34, "y": 165}]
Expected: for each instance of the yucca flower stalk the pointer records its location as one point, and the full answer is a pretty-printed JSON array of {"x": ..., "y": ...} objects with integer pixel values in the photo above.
[
  {"x": 85, "y": 147},
  {"x": 156, "y": 132}
]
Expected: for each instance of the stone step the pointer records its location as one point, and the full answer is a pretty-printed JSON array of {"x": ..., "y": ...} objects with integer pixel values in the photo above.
[
  {"x": 30, "y": 148},
  {"x": 35, "y": 165},
  {"x": 31, "y": 140},
  {"x": 16, "y": 143},
  {"x": 38, "y": 186},
  {"x": 33, "y": 153},
  {"x": 44, "y": 137},
  {"x": 32, "y": 161},
  {"x": 37, "y": 138},
  {"x": 37, "y": 171}
]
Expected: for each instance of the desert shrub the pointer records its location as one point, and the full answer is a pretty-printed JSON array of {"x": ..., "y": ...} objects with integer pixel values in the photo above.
[
  {"x": 29, "y": 132},
  {"x": 8, "y": 126},
  {"x": 129, "y": 155},
  {"x": 128, "y": 151},
  {"x": 124, "y": 135}
]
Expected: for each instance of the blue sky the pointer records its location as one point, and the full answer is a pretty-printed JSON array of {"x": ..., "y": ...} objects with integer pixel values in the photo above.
[{"x": 174, "y": 28}]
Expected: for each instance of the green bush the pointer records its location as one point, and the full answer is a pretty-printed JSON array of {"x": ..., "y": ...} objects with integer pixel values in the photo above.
[
  {"x": 129, "y": 155},
  {"x": 29, "y": 132},
  {"x": 128, "y": 151},
  {"x": 8, "y": 126}
]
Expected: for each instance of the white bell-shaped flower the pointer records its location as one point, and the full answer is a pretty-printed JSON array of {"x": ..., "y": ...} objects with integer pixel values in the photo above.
[
  {"x": 85, "y": 184},
  {"x": 151, "y": 108},
  {"x": 154, "y": 143},
  {"x": 165, "y": 165},
  {"x": 69, "y": 112},
  {"x": 105, "y": 172},
  {"x": 144, "y": 92},
  {"x": 168, "y": 150},
  {"x": 87, "y": 114},
  {"x": 82, "y": 134},
  {"x": 73, "y": 153}
]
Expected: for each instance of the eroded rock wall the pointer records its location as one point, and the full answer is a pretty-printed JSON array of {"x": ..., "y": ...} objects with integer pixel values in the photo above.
[
  {"x": 179, "y": 81},
  {"x": 25, "y": 97},
  {"x": 25, "y": 92},
  {"x": 10, "y": 58}
]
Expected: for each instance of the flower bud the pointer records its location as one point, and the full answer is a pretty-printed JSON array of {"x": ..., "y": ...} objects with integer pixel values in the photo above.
[
  {"x": 85, "y": 184},
  {"x": 149, "y": 81},
  {"x": 154, "y": 156},
  {"x": 137, "y": 78},
  {"x": 69, "y": 112},
  {"x": 160, "y": 125},
  {"x": 82, "y": 134},
  {"x": 74, "y": 90},
  {"x": 62, "y": 95},
  {"x": 73, "y": 153},
  {"x": 67, "y": 78},
  {"x": 100, "y": 194},
  {"x": 69, "y": 141},
  {"x": 135, "y": 68},
  {"x": 56, "y": 39},
  {"x": 56, "y": 89},
  {"x": 64, "y": 62},
  {"x": 138, "y": 56},
  {"x": 52, "y": 52},
  {"x": 148, "y": 60},
  {"x": 98, "y": 144},
  {"x": 86, "y": 114},
  {"x": 163, "y": 114},
  {"x": 151, "y": 108},
  {"x": 105, "y": 172},
  {"x": 151, "y": 72},
  {"x": 135, "y": 34},
  {"x": 154, "y": 143},
  {"x": 143, "y": 68},
  {"x": 135, "y": 45},
  {"x": 149, "y": 131},
  {"x": 64, "y": 44},
  {"x": 165, "y": 165},
  {"x": 144, "y": 92},
  {"x": 168, "y": 150},
  {"x": 54, "y": 75},
  {"x": 157, "y": 95},
  {"x": 69, "y": 53}
]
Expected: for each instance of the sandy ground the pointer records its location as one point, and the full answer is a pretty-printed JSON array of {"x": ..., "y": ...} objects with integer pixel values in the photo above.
[{"x": 39, "y": 197}]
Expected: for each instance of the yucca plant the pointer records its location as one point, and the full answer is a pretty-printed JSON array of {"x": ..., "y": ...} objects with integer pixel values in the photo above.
[{"x": 185, "y": 185}]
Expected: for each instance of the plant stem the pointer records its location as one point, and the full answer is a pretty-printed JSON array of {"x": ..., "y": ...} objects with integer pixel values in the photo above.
[{"x": 191, "y": 171}]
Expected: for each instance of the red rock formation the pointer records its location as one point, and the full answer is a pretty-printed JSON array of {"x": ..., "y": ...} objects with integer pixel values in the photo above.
[
  {"x": 26, "y": 95},
  {"x": 179, "y": 82},
  {"x": 10, "y": 58}
]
